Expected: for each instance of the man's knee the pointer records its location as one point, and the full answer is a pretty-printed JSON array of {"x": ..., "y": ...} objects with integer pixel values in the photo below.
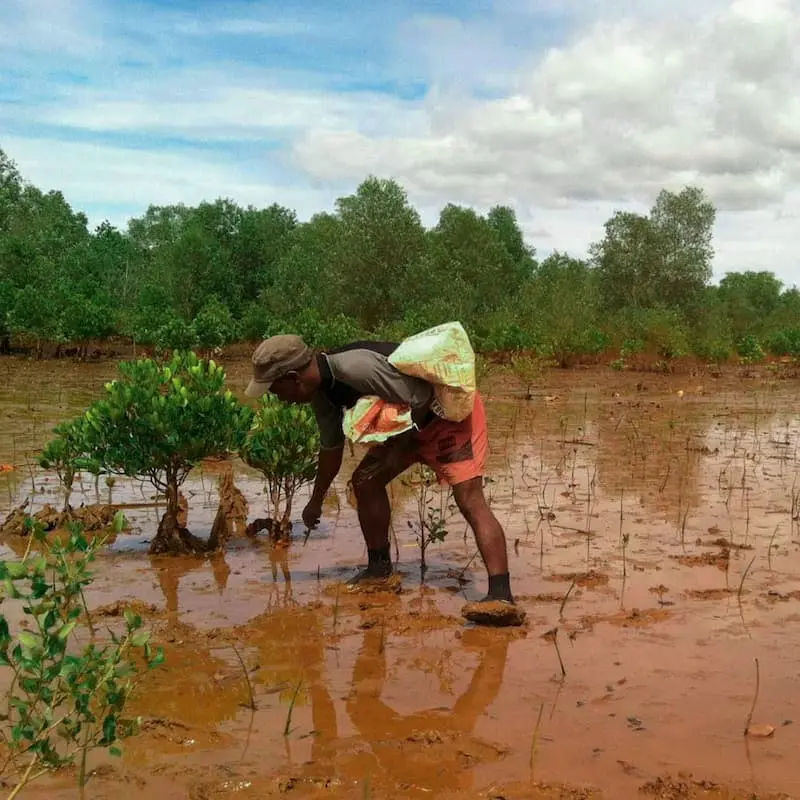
[
  {"x": 470, "y": 499},
  {"x": 369, "y": 478}
]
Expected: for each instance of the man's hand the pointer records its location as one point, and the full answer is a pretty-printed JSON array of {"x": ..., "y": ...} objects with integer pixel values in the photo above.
[{"x": 311, "y": 514}]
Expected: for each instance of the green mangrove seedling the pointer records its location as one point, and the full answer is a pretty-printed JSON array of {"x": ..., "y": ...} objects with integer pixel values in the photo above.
[
  {"x": 160, "y": 420},
  {"x": 282, "y": 444},
  {"x": 66, "y": 697}
]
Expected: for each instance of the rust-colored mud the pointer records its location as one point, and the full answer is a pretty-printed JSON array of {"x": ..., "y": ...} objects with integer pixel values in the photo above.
[{"x": 652, "y": 526}]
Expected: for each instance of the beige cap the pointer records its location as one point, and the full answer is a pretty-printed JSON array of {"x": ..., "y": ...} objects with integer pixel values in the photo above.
[{"x": 274, "y": 358}]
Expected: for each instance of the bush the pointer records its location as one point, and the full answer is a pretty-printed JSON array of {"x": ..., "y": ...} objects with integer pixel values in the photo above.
[
  {"x": 283, "y": 445},
  {"x": 785, "y": 342},
  {"x": 749, "y": 350},
  {"x": 213, "y": 327},
  {"x": 175, "y": 334},
  {"x": 67, "y": 696},
  {"x": 158, "y": 421},
  {"x": 63, "y": 454}
]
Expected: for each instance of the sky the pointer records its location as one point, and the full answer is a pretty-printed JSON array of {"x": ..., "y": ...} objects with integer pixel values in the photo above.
[{"x": 565, "y": 110}]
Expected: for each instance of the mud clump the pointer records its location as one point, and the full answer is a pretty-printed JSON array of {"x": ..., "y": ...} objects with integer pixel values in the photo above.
[
  {"x": 119, "y": 607},
  {"x": 231, "y": 515},
  {"x": 639, "y": 618},
  {"x": 92, "y": 518},
  {"x": 709, "y": 594},
  {"x": 719, "y": 560},
  {"x": 279, "y": 531},
  {"x": 685, "y": 788},
  {"x": 586, "y": 580},
  {"x": 173, "y": 537},
  {"x": 393, "y": 584},
  {"x": 494, "y": 612}
]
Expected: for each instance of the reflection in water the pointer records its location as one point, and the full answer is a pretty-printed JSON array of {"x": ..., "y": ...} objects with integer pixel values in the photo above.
[
  {"x": 397, "y": 742},
  {"x": 171, "y": 569}
]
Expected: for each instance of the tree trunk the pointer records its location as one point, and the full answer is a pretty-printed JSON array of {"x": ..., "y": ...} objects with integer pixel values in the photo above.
[{"x": 171, "y": 536}]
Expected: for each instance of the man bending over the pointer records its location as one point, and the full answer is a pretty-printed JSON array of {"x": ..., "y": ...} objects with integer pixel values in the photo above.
[{"x": 456, "y": 451}]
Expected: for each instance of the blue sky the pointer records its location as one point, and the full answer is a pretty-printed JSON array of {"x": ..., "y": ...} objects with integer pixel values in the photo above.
[{"x": 564, "y": 109}]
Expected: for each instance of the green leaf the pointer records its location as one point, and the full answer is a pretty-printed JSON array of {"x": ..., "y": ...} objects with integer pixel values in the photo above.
[
  {"x": 65, "y": 630},
  {"x": 29, "y": 640},
  {"x": 119, "y": 522},
  {"x": 140, "y": 639},
  {"x": 16, "y": 569}
]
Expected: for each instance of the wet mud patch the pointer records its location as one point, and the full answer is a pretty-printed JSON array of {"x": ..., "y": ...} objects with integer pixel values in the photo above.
[
  {"x": 93, "y": 518},
  {"x": 686, "y": 788},
  {"x": 591, "y": 579},
  {"x": 119, "y": 607},
  {"x": 720, "y": 560},
  {"x": 639, "y": 617},
  {"x": 774, "y": 596},
  {"x": 710, "y": 594},
  {"x": 394, "y": 666}
]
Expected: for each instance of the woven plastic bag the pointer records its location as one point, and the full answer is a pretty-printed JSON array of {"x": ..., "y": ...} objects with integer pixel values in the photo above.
[
  {"x": 372, "y": 420},
  {"x": 442, "y": 356}
]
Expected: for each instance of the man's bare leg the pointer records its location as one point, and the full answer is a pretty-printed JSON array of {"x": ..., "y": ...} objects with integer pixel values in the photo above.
[
  {"x": 370, "y": 479},
  {"x": 498, "y": 607},
  {"x": 489, "y": 536}
]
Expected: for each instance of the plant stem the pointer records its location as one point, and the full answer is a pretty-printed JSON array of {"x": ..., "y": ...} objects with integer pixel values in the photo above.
[
  {"x": 755, "y": 700},
  {"x": 535, "y": 742},
  {"x": 288, "y": 724},
  {"x": 24, "y": 779},
  {"x": 252, "y": 703},
  {"x": 564, "y": 601}
]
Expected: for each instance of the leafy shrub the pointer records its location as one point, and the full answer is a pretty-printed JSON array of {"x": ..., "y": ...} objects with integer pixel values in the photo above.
[
  {"x": 785, "y": 342},
  {"x": 283, "y": 445},
  {"x": 749, "y": 350},
  {"x": 214, "y": 326},
  {"x": 63, "y": 454},
  {"x": 158, "y": 421},
  {"x": 66, "y": 696},
  {"x": 316, "y": 330},
  {"x": 175, "y": 334}
]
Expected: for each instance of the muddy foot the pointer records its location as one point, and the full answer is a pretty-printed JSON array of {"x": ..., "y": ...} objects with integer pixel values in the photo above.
[{"x": 493, "y": 612}]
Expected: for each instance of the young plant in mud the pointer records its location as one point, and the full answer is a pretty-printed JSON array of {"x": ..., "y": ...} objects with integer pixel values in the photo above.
[
  {"x": 434, "y": 508},
  {"x": 157, "y": 422},
  {"x": 64, "y": 698},
  {"x": 282, "y": 444},
  {"x": 63, "y": 454},
  {"x": 528, "y": 369}
]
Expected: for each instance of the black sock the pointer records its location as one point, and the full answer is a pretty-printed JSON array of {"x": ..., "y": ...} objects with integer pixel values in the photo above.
[
  {"x": 500, "y": 587},
  {"x": 380, "y": 558}
]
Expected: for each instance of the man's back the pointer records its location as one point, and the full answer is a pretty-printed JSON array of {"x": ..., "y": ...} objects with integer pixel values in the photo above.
[{"x": 358, "y": 369}]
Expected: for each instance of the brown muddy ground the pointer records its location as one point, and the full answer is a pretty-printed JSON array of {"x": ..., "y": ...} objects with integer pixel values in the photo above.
[{"x": 653, "y": 543}]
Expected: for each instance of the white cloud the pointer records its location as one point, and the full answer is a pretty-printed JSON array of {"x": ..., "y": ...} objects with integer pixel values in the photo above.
[
  {"x": 204, "y": 104},
  {"x": 626, "y": 108},
  {"x": 101, "y": 174},
  {"x": 636, "y": 97}
]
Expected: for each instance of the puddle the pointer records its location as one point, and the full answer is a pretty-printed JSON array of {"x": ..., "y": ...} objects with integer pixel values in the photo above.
[{"x": 652, "y": 542}]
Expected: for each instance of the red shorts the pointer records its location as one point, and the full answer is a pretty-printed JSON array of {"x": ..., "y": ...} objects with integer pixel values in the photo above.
[{"x": 455, "y": 451}]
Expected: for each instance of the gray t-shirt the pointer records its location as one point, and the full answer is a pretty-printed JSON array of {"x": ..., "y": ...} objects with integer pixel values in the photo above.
[{"x": 358, "y": 370}]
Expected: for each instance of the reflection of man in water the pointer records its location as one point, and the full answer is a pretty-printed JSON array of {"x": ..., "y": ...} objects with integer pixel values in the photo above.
[
  {"x": 455, "y": 451},
  {"x": 395, "y": 740}
]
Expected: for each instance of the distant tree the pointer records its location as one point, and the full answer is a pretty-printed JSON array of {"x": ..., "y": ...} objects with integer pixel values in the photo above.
[{"x": 659, "y": 260}]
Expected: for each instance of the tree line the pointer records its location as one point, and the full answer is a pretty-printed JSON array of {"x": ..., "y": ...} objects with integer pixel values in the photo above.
[{"x": 205, "y": 276}]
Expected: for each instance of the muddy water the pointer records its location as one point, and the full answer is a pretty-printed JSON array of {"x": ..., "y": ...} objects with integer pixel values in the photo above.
[{"x": 652, "y": 543}]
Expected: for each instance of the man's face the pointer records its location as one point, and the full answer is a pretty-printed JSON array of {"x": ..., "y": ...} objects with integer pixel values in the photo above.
[{"x": 292, "y": 388}]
